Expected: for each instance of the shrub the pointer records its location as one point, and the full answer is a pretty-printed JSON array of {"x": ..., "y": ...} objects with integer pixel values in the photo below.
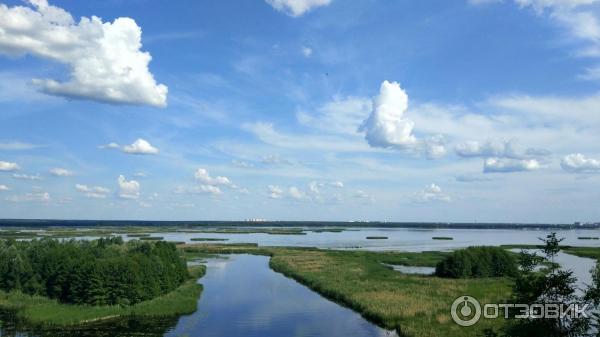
[
  {"x": 476, "y": 262},
  {"x": 102, "y": 272}
]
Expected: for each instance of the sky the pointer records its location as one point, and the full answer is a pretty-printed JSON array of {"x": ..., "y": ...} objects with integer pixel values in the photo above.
[{"x": 370, "y": 110}]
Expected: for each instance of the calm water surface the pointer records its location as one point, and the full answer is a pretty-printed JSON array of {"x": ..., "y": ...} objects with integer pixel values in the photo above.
[{"x": 243, "y": 297}]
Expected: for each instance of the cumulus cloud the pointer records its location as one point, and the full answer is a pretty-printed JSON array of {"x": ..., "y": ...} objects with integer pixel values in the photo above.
[
  {"x": 501, "y": 149},
  {"x": 386, "y": 126},
  {"x": 507, "y": 165},
  {"x": 4, "y": 188},
  {"x": 128, "y": 189},
  {"x": 60, "y": 172},
  {"x": 96, "y": 192},
  {"x": 432, "y": 192},
  {"x": 201, "y": 189},
  {"x": 297, "y": 8},
  {"x": 105, "y": 59},
  {"x": 8, "y": 166},
  {"x": 579, "y": 163},
  {"x": 111, "y": 145},
  {"x": 204, "y": 177},
  {"x": 27, "y": 176},
  {"x": 275, "y": 192},
  {"x": 140, "y": 146}
]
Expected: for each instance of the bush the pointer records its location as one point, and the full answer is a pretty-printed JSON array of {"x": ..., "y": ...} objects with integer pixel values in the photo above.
[
  {"x": 101, "y": 272},
  {"x": 478, "y": 262}
]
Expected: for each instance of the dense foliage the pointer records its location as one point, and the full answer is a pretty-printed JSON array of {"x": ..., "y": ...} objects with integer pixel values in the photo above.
[
  {"x": 478, "y": 262},
  {"x": 100, "y": 272}
]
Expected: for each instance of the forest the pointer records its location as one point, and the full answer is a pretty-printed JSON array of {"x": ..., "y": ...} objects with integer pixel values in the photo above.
[{"x": 106, "y": 271}]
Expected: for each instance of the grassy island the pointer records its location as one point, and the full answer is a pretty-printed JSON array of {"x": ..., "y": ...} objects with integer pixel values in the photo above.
[{"x": 413, "y": 305}]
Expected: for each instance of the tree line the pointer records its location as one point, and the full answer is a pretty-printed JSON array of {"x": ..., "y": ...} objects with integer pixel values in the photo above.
[{"x": 101, "y": 272}]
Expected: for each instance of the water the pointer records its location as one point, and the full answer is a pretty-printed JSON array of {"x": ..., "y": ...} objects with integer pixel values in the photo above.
[
  {"x": 403, "y": 239},
  {"x": 243, "y": 297}
]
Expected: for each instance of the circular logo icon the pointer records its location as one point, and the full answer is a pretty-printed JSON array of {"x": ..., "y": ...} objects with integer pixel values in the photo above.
[{"x": 466, "y": 311}]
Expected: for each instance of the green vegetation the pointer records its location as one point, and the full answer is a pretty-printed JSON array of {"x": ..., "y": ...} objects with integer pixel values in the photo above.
[
  {"x": 377, "y": 237},
  {"x": 42, "y": 310},
  {"x": 478, "y": 262},
  {"x": 328, "y": 230},
  {"x": 140, "y": 235},
  {"x": 271, "y": 231},
  {"x": 588, "y": 238},
  {"x": 413, "y": 305},
  {"x": 590, "y": 252},
  {"x": 553, "y": 286},
  {"x": 208, "y": 239},
  {"x": 100, "y": 272},
  {"x": 152, "y": 238},
  {"x": 442, "y": 238}
]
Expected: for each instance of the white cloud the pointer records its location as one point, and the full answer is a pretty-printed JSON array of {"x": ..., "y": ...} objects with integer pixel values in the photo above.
[
  {"x": 295, "y": 193},
  {"x": 313, "y": 187},
  {"x": 361, "y": 194},
  {"x": 60, "y": 172},
  {"x": 275, "y": 192},
  {"x": 105, "y": 59},
  {"x": 307, "y": 52},
  {"x": 140, "y": 146},
  {"x": 4, "y": 188},
  {"x": 274, "y": 159},
  {"x": 27, "y": 176},
  {"x": 501, "y": 149},
  {"x": 432, "y": 192},
  {"x": 17, "y": 146},
  {"x": 337, "y": 184},
  {"x": 8, "y": 166},
  {"x": 201, "y": 189},
  {"x": 340, "y": 115},
  {"x": 30, "y": 197},
  {"x": 297, "y": 7},
  {"x": 578, "y": 163},
  {"x": 386, "y": 127},
  {"x": 111, "y": 145},
  {"x": 128, "y": 189},
  {"x": 204, "y": 177},
  {"x": 96, "y": 192},
  {"x": 507, "y": 165},
  {"x": 579, "y": 17},
  {"x": 241, "y": 163}
]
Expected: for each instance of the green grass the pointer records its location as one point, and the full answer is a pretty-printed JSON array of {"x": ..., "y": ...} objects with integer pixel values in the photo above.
[
  {"x": 208, "y": 239},
  {"x": 588, "y": 238},
  {"x": 414, "y": 305},
  {"x": 151, "y": 238},
  {"x": 44, "y": 311},
  {"x": 377, "y": 237},
  {"x": 442, "y": 238},
  {"x": 590, "y": 252}
]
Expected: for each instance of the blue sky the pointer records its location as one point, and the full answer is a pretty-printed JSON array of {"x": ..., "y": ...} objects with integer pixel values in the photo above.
[{"x": 475, "y": 110}]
